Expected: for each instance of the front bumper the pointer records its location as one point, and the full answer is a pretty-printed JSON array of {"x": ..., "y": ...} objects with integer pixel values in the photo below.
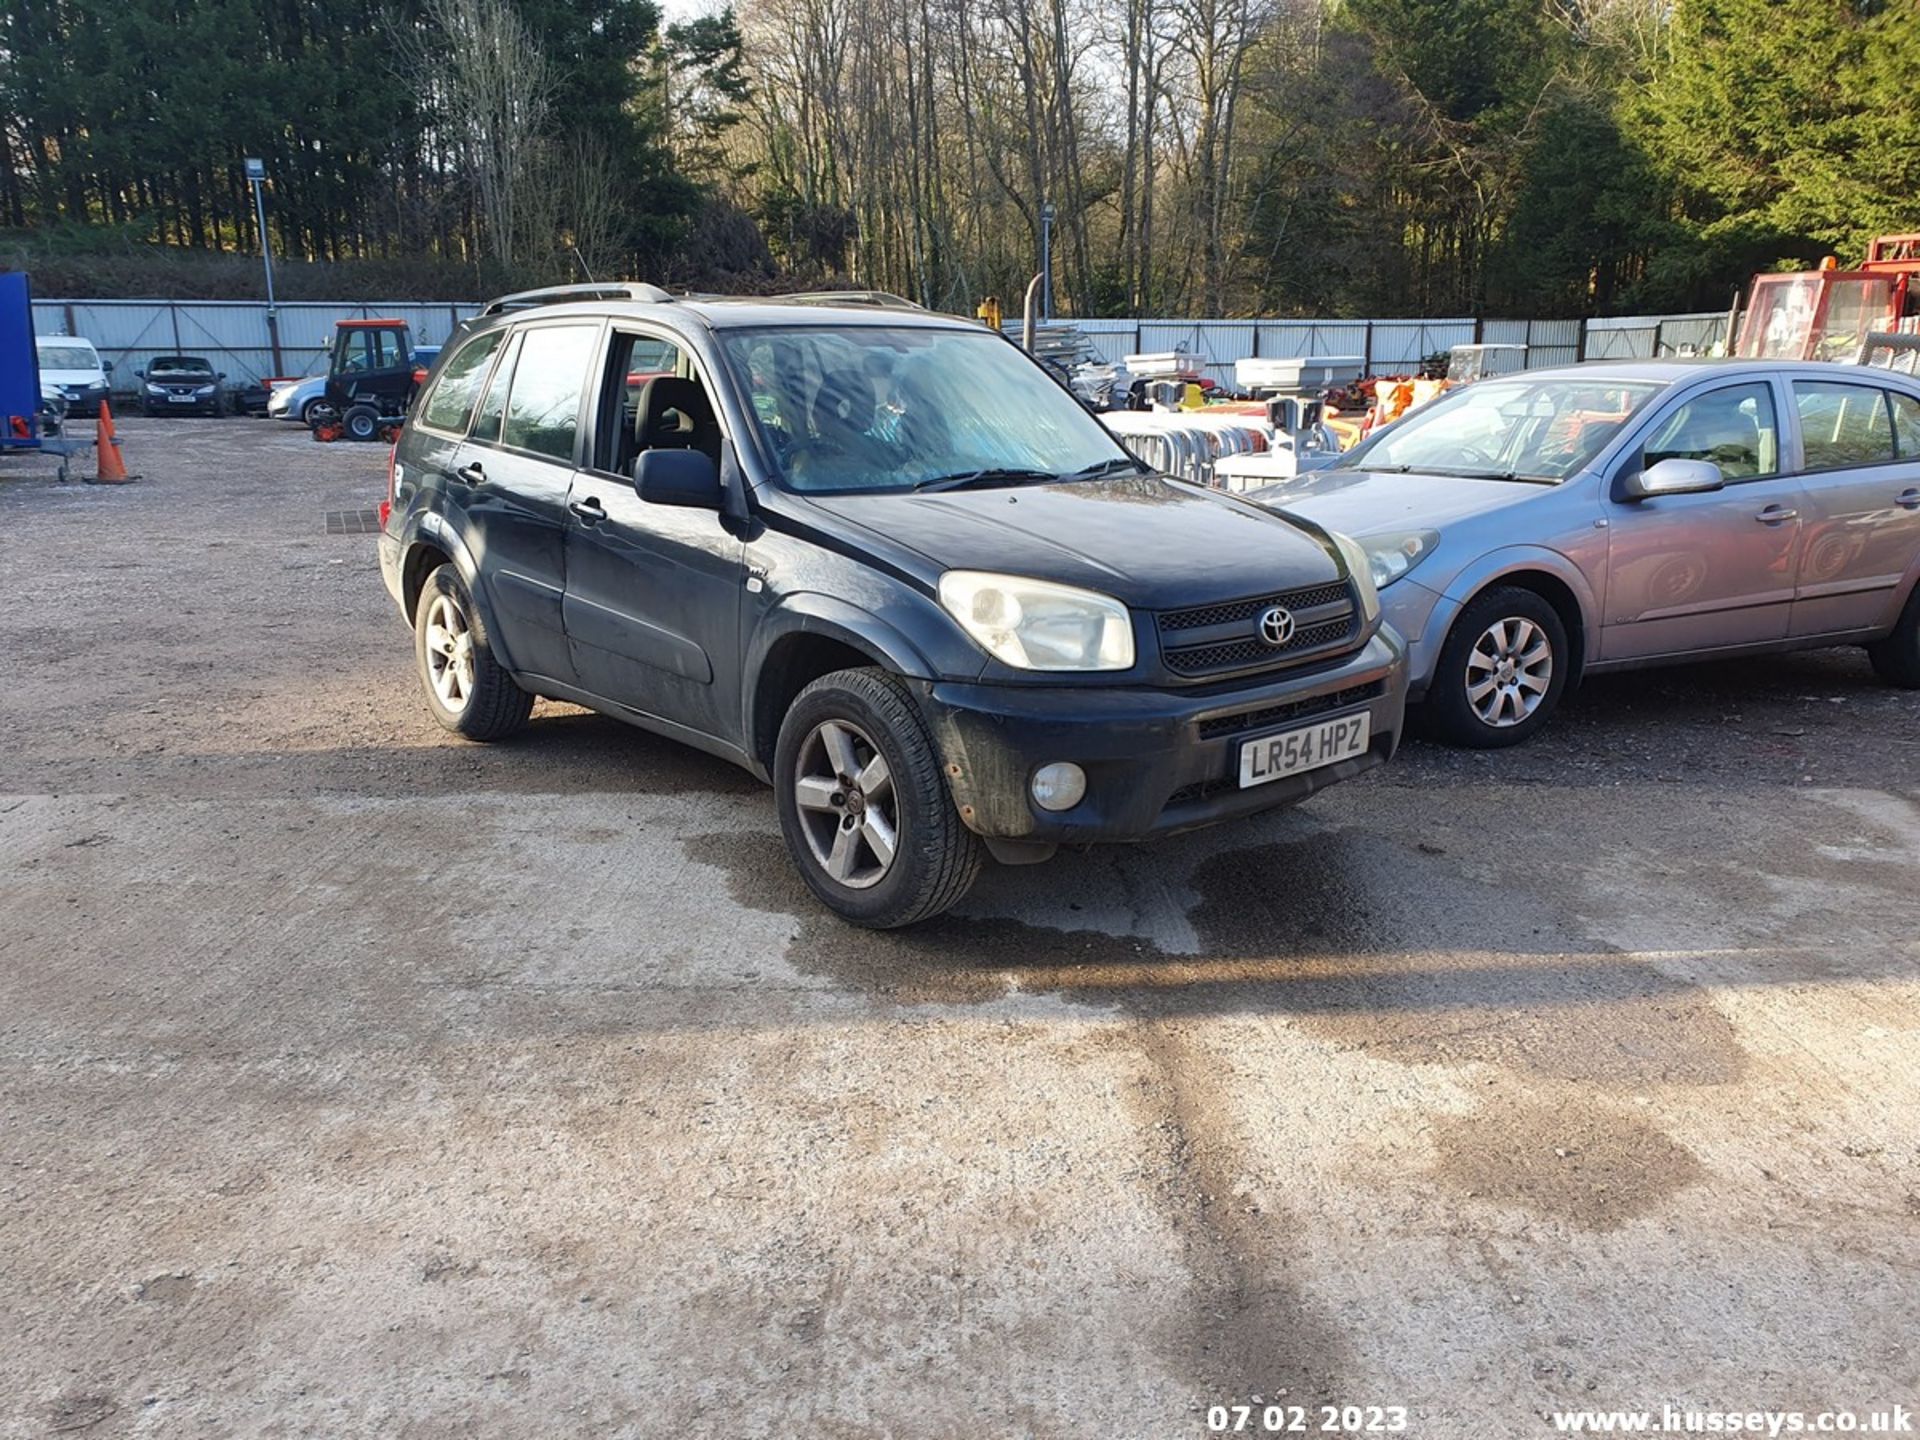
[{"x": 1157, "y": 761}]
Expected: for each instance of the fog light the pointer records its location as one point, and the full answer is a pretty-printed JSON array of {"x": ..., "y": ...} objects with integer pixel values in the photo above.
[{"x": 1059, "y": 786}]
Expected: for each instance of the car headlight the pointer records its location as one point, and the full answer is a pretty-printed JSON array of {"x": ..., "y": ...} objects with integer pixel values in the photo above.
[
  {"x": 204, "y": 390},
  {"x": 1393, "y": 554},
  {"x": 153, "y": 389},
  {"x": 1361, "y": 569},
  {"x": 1037, "y": 625}
]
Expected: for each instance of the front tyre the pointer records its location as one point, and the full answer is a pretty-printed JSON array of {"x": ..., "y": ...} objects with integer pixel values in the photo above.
[
  {"x": 864, "y": 808},
  {"x": 467, "y": 690},
  {"x": 362, "y": 422},
  {"x": 1502, "y": 671}
]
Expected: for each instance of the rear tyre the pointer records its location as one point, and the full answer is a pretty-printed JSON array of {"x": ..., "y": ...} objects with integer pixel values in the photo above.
[
  {"x": 1502, "y": 671},
  {"x": 467, "y": 690},
  {"x": 362, "y": 422},
  {"x": 1896, "y": 659},
  {"x": 864, "y": 807}
]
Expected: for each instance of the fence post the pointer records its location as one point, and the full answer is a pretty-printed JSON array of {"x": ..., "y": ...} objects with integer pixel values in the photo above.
[
  {"x": 273, "y": 341},
  {"x": 1366, "y": 359}
]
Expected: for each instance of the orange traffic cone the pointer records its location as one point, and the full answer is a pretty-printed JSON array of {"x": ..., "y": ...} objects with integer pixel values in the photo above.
[{"x": 109, "y": 468}]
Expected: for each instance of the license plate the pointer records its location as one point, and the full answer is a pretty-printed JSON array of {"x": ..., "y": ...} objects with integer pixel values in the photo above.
[
  {"x": 1271, "y": 757},
  {"x": 180, "y": 399}
]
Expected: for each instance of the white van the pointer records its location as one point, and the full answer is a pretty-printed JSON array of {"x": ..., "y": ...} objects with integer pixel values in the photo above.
[{"x": 72, "y": 370}]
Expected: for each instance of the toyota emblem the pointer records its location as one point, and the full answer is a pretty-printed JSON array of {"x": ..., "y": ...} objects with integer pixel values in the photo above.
[{"x": 1276, "y": 626}]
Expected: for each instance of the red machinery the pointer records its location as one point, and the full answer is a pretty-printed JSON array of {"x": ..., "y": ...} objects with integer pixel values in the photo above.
[{"x": 1826, "y": 314}]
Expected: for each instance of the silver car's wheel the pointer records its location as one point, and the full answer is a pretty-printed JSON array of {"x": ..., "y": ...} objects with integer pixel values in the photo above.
[
  {"x": 1509, "y": 671},
  {"x": 843, "y": 790},
  {"x": 449, "y": 651},
  {"x": 1499, "y": 676}
]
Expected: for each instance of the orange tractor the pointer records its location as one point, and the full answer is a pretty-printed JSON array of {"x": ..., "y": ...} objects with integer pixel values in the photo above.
[{"x": 1827, "y": 314}]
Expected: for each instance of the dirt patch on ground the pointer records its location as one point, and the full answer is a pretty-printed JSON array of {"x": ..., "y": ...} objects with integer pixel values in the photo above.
[{"x": 1589, "y": 1164}]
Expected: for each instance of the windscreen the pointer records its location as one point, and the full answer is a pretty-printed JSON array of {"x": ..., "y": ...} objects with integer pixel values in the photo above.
[
  {"x": 891, "y": 407},
  {"x": 67, "y": 357},
  {"x": 1540, "y": 430},
  {"x": 179, "y": 365}
]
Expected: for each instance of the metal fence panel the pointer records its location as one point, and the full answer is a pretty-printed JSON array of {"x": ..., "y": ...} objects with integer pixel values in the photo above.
[
  {"x": 1643, "y": 337},
  {"x": 1400, "y": 346},
  {"x": 233, "y": 334}
]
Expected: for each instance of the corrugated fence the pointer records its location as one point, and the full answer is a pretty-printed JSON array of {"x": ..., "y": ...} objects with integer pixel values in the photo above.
[{"x": 235, "y": 336}]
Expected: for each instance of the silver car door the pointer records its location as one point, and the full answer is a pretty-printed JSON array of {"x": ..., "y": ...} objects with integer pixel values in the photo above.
[
  {"x": 1862, "y": 516},
  {"x": 1700, "y": 572}
]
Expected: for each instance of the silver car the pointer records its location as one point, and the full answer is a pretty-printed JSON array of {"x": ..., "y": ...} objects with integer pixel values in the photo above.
[{"x": 1532, "y": 529}]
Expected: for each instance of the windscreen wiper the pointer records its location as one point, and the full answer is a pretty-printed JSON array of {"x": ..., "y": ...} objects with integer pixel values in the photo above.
[
  {"x": 969, "y": 479},
  {"x": 1109, "y": 467}
]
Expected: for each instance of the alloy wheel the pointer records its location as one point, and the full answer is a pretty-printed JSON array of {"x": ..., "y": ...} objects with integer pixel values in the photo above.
[
  {"x": 449, "y": 654},
  {"x": 848, "y": 809},
  {"x": 1509, "y": 671}
]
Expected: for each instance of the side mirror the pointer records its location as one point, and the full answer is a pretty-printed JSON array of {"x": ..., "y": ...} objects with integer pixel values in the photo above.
[
  {"x": 677, "y": 477},
  {"x": 140, "y": 374},
  {"x": 1674, "y": 477},
  {"x": 106, "y": 367},
  {"x": 219, "y": 374}
]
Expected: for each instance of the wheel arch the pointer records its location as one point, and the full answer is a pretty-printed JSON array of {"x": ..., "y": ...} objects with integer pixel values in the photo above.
[
  {"x": 1547, "y": 575},
  {"x": 808, "y": 636}
]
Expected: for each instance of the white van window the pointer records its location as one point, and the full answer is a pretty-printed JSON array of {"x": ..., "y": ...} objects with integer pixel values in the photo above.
[{"x": 65, "y": 355}]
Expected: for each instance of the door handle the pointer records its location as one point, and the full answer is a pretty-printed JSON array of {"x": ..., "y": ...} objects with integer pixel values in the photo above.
[
  {"x": 472, "y": 473},
  {"x": 1909, "y": 499},
  {"x": 1776, "y": 515},
  {"x": 590, "y": 510}
]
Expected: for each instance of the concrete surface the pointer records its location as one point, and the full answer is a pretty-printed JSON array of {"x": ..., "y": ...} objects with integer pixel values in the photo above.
[{"x": 358, "y": 1082}]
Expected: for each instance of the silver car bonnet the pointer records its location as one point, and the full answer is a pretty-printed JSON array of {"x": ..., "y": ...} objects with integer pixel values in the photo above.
[{"x": 1371, "y": 502}]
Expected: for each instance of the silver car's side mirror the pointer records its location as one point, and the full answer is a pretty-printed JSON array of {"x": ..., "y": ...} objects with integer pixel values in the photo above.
[{"x": 1674, "y": 477}]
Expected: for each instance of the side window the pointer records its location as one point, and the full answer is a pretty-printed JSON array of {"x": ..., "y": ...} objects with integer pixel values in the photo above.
[
  {"x": 386, "y": 348},
  {"x": 650, "y": 404},
  {"x": 1735, "y": 428},
  {"x": 1842, "y": 425},
  {"x": 493, "y": 409},
  {"x": 1906, "y": 425},
  {"x": 543, "y": 408},
  {"x": 450, "y": 404}
]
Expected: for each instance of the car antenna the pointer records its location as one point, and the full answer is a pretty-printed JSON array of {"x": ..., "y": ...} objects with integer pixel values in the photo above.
[{"x": 581, "y": 261}]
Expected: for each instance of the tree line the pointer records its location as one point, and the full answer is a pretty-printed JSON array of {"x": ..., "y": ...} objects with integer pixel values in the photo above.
[{"x": 1205, "y": 157}]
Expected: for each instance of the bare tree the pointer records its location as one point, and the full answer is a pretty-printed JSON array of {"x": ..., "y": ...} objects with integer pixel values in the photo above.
[{"x": 482, "y": 71}]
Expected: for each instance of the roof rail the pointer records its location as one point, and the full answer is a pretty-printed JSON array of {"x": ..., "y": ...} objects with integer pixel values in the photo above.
[
  {"x": 562, "y": 294},
  {"x": 879, "y": 299}
]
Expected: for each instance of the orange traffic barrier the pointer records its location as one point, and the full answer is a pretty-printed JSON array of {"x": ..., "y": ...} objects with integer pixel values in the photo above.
[{"x": 109, "y": 468}]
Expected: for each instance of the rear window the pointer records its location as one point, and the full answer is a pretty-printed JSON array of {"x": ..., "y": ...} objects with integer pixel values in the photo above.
[
  {"x": 450, "y": 403},
  {"x": 549, "y": 381},
  {"x": 1843, "y": 425}
]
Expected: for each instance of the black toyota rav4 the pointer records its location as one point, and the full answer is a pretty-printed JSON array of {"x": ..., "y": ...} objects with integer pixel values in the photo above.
[{"x": 881, "y": 559}]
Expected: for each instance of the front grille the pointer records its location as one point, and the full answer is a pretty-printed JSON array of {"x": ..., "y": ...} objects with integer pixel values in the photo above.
[
  {"x": 1205, "y": 641},
  {"x": 1230, "y": 611},
  {"x": 1244, "y": 654},
  {"x": 1214, "y": 726}
]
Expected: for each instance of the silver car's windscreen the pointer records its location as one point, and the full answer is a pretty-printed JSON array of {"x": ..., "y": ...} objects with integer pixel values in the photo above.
[
  {"x": 1507, "y": 429},
  {"x": 891, "y": 407}
]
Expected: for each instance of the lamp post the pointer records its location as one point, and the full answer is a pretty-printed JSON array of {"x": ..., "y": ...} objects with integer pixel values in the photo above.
[
  {"x": 257, "y": 178},
  {"x": 1046, "y": 260}
]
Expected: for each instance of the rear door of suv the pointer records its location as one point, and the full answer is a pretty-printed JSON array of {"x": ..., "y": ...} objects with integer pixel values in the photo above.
[
  {"x": 653, "y": 591},
  {"x": 510, "y": 478}
]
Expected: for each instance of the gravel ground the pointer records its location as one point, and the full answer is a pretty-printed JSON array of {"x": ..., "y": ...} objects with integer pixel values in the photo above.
[{"x": 358, "y": 1082}]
